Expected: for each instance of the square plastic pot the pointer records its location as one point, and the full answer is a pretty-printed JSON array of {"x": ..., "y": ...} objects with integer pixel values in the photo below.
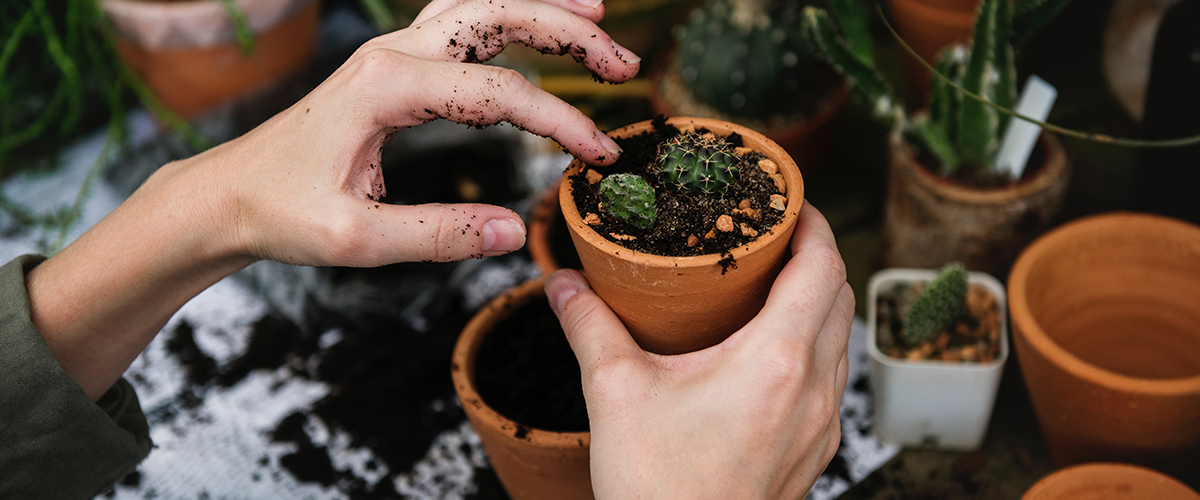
[{"x": 942, "y": 404}]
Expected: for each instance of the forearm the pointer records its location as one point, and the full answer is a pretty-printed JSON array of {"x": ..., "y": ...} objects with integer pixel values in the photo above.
[{"x": 101, "y": 300}]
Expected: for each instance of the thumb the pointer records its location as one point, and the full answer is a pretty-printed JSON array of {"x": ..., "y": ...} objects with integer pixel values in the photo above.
[{"x": 595, "y": 333}]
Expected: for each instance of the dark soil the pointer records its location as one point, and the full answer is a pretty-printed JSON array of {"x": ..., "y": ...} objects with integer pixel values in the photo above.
[
  {"x": 526, "y": 371},
  {"x": 680, "y": 215},
  {"x": 974, "y": 337}
]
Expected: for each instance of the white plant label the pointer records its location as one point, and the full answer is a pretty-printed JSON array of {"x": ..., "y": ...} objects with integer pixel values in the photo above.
[{"x": 1020, "y": 136}]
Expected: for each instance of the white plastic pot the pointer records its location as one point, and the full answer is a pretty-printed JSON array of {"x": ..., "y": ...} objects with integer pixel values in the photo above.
[{"x": 940, "y": 404}]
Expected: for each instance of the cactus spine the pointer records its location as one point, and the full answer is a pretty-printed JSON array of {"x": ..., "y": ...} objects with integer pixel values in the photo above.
[
  {"x": 745, "y": 58},
  {"x": 697, "y": 163},
  {"x": 629, "y": 198},
  {"x": 937, "y": 306},
  {"x": 957, "y": 130}
]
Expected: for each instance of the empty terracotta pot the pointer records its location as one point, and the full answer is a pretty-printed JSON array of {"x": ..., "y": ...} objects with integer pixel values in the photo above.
[
  {"x": 674, "y": 305},
  {"x": 531, "y": 463},
  {"x": 1109, "y": 481},
  {"x": 930, "y": 220},
  {"x": 1106, "y": 322},
  {"x": 187, "y": 55},
  {"x": 929, "y": 26}
]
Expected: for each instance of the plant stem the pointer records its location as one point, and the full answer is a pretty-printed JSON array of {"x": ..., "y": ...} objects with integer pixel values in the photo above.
[{"x": 1087, "y": 136}]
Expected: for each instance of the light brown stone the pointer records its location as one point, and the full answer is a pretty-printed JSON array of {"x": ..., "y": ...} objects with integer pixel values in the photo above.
[
  {"x": 693, "y": 240},
  {"x": 592, "y": 220},
  {"x": 725, "y": 224},
  {"x": 780, "y": 184},
  {"x": 748, "y": 231},
  {"x": 768, "y": 166},
  {"x": 778, "y": 202},
  {"x": 622, "y": 237},
  {"x": 593, "y": 176}
]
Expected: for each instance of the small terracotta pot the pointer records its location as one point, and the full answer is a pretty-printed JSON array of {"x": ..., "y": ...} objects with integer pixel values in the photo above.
[
  {"x": 673, "y": 305},
  {"x": 807, "y": 141},
  {"x": 929, "y": 220},
  {"x": 542, "y": 225},
  {"x": 1106, "y": 322},
  {"x": 531, "y": 463},
  {"x": 928, "y": 26},
  {"x": 1109, "y": 481},
  {"x": 187, "y": 55}
]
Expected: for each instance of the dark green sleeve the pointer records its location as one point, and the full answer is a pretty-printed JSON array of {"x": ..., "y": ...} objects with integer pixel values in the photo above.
[{"x": 54, "y": 441}]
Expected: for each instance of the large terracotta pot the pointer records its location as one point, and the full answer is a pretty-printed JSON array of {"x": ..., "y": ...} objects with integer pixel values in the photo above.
[
  {"x": 928, "y": 26},
  {"x": 1109, "y": 481},
  {"x": 806, "y": 140},
  {"x": 531, "y": 463},
  {"x": 929, "y": 220},
  {"x": 1106, "y": 322},
  {"x": 673, "y": 305},
  {"x": 547, "y": 229},
  {"x": 187, "y": 54}
]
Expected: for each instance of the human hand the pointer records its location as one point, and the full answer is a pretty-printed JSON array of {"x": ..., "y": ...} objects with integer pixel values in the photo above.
[
  {"x": 309, "y": 179},
  {"x": 755, "y": 416}
]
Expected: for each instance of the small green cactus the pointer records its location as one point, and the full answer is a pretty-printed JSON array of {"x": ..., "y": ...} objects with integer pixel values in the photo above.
[
  {"x": 629, "y": 198},
  {"x": 937, "y": 306},
  {"x": 697, "y": 163}
]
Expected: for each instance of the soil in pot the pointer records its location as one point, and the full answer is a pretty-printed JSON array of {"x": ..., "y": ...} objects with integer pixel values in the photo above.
[
  {"x": 686, "y": 225},
  {"x": 526, "y": 371},
  {"x": 974, "y": 337}
]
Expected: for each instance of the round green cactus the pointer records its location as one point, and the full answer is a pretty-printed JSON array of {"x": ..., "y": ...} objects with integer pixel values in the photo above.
[
  {"x": 746, "y": 58},
  {"x": 629, "y": 198},
  {"x": 696, "y": 163},
  {"x": 937, "y": 306}
]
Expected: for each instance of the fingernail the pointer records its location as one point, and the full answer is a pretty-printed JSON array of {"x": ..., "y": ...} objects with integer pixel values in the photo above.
[
  {"x": 502, "y": 236},
  {"x": 625, "y": 54},
  {"x": 608, "y": 143},
  {"x": 560, "y": 287},
  {"x": 589, "y": 3}
]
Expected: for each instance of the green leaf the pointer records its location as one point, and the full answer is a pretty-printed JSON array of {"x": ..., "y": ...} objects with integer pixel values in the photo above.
[
  {"x": 851, "y": 15},
  {"x": 241, "y": 27},
  {"x": 938, "y": 143},
  {"x": 825, "y": 43}
]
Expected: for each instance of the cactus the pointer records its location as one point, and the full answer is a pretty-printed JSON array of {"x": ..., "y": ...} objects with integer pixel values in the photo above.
[
  {"x": 697, "y": 163},
  {"x": 957, "y": 131},
  {"x": 937, "y": 306},
  {"x": 746, "y": 58},
  {"x": 629, "y": 198}
]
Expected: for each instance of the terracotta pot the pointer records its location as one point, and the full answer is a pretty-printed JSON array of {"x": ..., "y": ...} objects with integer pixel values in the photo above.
[
  {"x": 1109, "y": 481},
  {"x": 673, "y": 305},
  {"x": 929, "y": 220},
  {"x": 806, "y": 140},
  {"x": 544, "y": 224},
  {"x": 1107, "y": 329},
  {"x": 940, "y": 404},
  {"x": 187, "y": 55},
  {"x": 928, "y": 26},
  {"x": 531, "y": 463}
]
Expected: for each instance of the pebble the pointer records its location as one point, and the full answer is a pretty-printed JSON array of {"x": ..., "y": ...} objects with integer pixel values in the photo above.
[
  {"x": 780, "y": 184},
  {"x": 768, "y": 166},
  {"x": 693, "y": 240},
  {"x": 748, "y": 231},
  {"x": 592, "y": 176},
  {"x": 592, "y": 220},
  {"x": 725, "y": 224},
  {"x": 778, "y": 202},
  {"x": 622, "y": 237}
]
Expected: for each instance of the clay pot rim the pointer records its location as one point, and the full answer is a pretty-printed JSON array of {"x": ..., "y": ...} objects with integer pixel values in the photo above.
[
  {"x": 787, "y": 167},
  {"x": 837, "y": 101},
  {"x": 1102, "y": 470},
  {"x": 893, "y": 274},
  {"x": 1054, "y": 166},
  {"x": 925, "y": 12},
  {"x": 1023, "y": 320},
  {"x": 463, "y": 372}
]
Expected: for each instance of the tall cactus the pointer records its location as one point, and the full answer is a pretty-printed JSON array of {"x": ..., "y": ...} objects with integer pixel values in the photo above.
[
  {"x": 956, "y": 130},
  {"x": 938, "y": 305},
  {"x": 745, "y": 58}
]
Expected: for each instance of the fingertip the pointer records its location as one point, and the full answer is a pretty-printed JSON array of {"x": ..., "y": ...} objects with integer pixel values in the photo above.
[
  {"x": 561, "y": 286},
  {"x": 503, "y": 235}
]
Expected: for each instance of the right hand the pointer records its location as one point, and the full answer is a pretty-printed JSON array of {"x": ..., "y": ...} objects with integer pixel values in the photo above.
[{"x": 756, "y": 416}]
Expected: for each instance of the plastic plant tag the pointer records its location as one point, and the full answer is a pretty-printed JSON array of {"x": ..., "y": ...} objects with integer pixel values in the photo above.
[{"x": 1020, "y": 135}]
